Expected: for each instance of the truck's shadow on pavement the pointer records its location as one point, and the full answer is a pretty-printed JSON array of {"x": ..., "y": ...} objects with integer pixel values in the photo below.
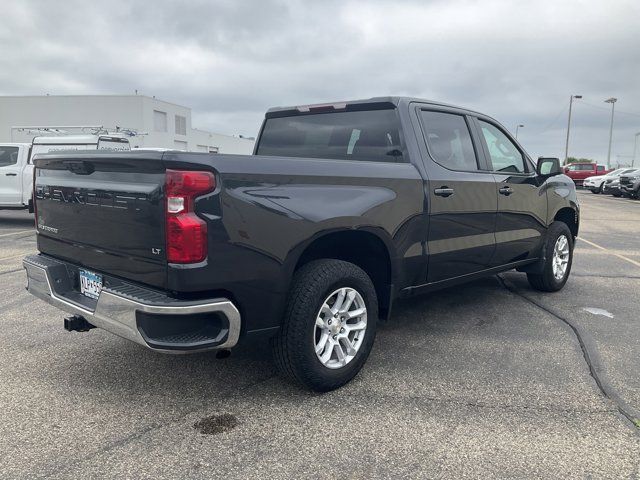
[
  {"x": 16, "y": 219},
  {"x": 113, "y": 366}
]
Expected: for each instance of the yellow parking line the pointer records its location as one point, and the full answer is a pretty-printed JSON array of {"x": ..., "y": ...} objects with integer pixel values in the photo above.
[
  {"x": 622, "y": 257},
  {"x": 18, "y": 233}
]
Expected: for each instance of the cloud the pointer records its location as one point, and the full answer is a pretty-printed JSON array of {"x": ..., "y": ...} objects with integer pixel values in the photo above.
[{"x": 229, "y": 60}]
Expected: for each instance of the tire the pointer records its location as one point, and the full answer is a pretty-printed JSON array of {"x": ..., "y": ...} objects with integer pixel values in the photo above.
[
  {"x": 294, "y": 348},
  {"x": 547, "y": 281}
]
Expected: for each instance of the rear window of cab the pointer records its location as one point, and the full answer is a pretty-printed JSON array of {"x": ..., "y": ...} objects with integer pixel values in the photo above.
[
  {"x": 372, "y": 135},
  {"x": 581, "y": 167}
]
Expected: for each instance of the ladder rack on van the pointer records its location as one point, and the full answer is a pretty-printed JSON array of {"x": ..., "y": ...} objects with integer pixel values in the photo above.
[{"x": 68, "y": 130}]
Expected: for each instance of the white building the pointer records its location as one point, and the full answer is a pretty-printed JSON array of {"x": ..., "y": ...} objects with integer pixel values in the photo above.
[{"x": 161, "y": 124}]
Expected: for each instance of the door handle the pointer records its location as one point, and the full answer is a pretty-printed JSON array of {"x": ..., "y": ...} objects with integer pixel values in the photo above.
[
  {"x": 505, "y": 191},
  {"x": 443, "y": 191},
  {"x": 11, "y": 174}
]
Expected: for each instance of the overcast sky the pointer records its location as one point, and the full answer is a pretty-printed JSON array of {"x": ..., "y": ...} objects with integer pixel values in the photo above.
[{"x": 518, "y": 61}]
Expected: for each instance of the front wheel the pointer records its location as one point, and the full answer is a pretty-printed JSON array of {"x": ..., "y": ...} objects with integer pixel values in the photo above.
[
  {"x": 329, "y": 325},
  {"x": 558, "y": 259}
]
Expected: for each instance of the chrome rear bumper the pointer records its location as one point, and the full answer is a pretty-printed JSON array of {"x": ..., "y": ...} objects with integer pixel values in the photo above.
[{"x": 125, "y": 310}]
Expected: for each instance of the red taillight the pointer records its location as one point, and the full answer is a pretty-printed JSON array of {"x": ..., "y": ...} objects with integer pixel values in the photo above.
[{"x": 186, "y": 232}]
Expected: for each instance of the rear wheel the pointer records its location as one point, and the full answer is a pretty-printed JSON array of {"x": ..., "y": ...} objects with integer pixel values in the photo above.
[
  {"x": 558, "y": 259},
  {"x": 329, "y": 325}
]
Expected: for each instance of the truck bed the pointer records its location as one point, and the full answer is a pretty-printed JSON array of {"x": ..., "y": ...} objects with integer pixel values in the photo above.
[{"x": 105, "y": 212}]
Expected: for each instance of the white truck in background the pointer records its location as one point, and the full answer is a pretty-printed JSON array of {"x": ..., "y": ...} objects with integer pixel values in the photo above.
[{"x": 16, "y": 164}]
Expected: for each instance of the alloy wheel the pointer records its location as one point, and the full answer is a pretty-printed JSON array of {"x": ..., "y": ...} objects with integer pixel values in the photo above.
[
  {"x": 560, "y": 257},
  {"x": 340, "y": 327}
]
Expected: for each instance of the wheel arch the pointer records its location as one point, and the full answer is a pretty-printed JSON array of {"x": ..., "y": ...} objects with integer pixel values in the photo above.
[
  {"x": 570, "y": 217},
  {"x": 367, "y": 248}
]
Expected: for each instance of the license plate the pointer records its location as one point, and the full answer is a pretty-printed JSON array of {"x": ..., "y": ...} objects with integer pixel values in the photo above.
[{"x": 90, "y": 284}]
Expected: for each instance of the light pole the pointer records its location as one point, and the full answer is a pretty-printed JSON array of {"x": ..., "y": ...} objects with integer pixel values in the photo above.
[
  {"x": 612, "y": 101},
  {"x": 566, "y": 147},
  {"x": 517, "y": 128},
  {"x": 635, "y": 149}
]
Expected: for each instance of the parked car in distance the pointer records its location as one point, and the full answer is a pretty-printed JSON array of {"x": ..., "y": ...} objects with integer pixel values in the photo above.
[
  {"x": 612, "y": 187},
  {"x": 630, "y": 184},
  {"x": 16, "y": 166},
  {"x": 16, "y": 176},
  {"x": 342, "y": 209},
  {"x": 596, "y": 183},
  {"x": 579, "y": 171}
]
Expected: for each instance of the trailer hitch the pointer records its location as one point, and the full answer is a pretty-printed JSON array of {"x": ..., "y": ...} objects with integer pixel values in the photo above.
[{"x": 76, "y": 323}]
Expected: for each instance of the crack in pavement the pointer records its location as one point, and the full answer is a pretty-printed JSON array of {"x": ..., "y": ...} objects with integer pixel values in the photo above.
[
  {"x": 237, "y": 394},
  {"x": 11, "y": 271},
  {"x": 591, "y": 357}
]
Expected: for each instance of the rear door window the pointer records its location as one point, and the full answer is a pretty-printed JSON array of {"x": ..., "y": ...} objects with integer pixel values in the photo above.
[
  {"x": 372, "y": 136},
  {"x": 449, "y": 140}
]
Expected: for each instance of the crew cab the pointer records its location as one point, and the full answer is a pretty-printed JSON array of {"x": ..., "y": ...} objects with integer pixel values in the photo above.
[
  {"x": 342, "y": 209},
  {"x": 16, "y": 167},
  {"x": 579, "y": 171}
]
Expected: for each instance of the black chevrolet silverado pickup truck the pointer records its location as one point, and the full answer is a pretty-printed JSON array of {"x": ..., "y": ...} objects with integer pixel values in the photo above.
[{"x": 342, "y": 209}]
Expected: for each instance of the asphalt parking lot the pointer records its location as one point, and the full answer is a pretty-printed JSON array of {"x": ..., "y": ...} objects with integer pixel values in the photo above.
[{"x": 488, "y": 379}]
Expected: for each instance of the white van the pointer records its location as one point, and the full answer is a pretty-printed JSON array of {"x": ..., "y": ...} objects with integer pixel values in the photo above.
[{"x": 16, "y": 162}]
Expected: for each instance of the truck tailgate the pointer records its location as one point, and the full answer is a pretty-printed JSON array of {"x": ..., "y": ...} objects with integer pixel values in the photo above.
[{"x": 105, "y": 212}]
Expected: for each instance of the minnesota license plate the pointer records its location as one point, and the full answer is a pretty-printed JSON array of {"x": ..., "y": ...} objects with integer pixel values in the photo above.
[{"x": 90, "y": 284}]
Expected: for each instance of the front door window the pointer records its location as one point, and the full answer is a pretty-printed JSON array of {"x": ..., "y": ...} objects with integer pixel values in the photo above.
[{"x": 504, "y": 155}]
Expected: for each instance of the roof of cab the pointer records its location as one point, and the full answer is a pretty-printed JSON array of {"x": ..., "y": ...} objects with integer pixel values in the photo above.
[{"x": 390, "y": 101}]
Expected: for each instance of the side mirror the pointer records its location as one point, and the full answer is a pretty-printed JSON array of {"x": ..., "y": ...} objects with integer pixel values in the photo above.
[{"x": 548, "y": 166}]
